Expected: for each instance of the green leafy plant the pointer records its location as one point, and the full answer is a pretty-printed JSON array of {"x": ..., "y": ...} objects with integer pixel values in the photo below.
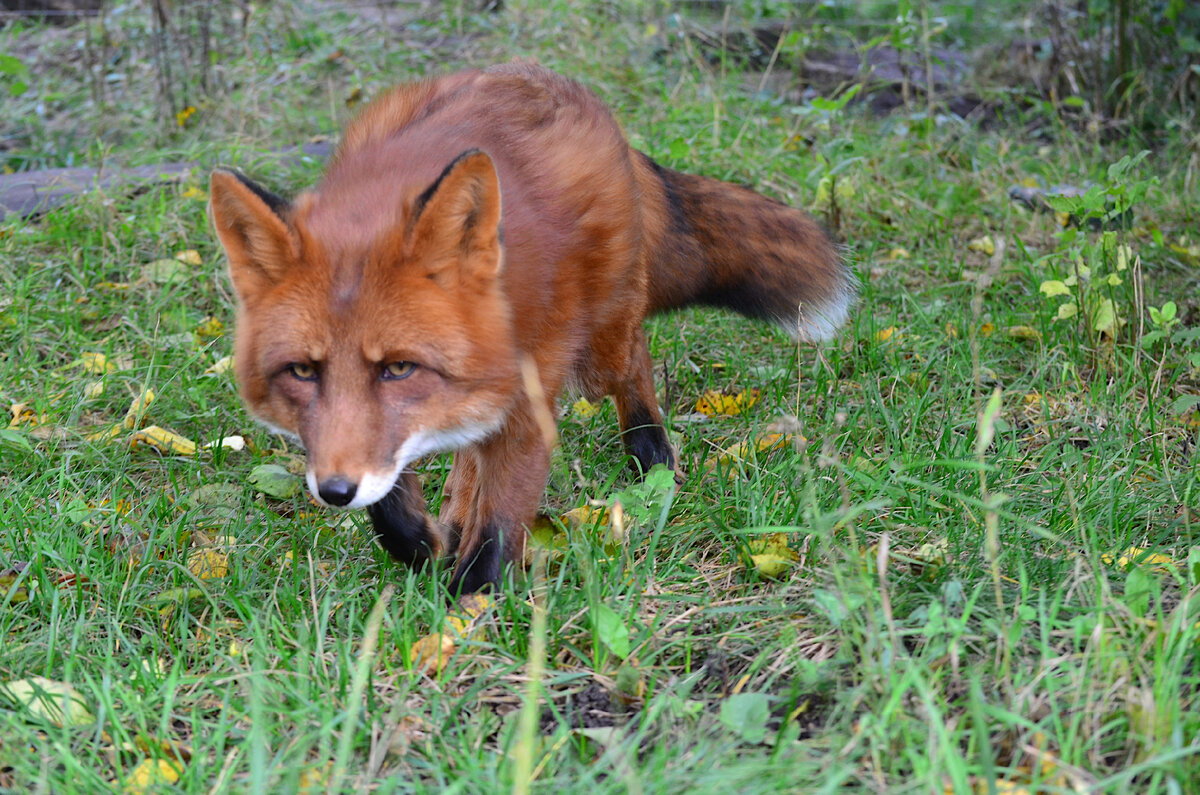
[
  {"x": 13, "y": 75},
  {"x": 1097, "y": 288}
]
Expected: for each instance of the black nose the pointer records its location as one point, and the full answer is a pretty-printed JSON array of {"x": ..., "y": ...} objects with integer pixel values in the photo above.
[{"x": 337, "y": 490}]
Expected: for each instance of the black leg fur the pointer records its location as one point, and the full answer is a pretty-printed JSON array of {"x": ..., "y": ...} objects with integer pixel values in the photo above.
[
  {"x": 481, "y": 567},
  {"x": 405, "y": 530},
  {"x": 646, "y": 440}
]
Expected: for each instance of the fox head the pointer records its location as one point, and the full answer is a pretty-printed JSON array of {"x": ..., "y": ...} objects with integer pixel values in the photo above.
[{"x": 373, "y": 334}]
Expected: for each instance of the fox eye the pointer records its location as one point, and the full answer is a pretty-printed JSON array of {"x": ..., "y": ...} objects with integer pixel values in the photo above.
[
  {"x": 394, "y": 371},
  {"x": 304, "y": 372}
]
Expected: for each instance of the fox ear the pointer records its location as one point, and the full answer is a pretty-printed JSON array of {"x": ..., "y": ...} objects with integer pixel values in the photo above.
[
  {"x": 456, "y": 221},
  {"x": 250, "y": 224}
]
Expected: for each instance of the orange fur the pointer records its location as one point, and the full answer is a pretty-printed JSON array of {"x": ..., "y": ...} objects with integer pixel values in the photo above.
[{"x": 466, "y": 223}]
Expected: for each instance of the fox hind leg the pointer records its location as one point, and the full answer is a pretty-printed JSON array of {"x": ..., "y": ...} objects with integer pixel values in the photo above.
[{"x": 642, "y": 428}]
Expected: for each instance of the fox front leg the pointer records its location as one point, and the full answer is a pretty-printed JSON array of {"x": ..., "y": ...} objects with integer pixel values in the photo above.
[
  {"x": 403, "y": 526},
  {"x": 493, "y": 494}
]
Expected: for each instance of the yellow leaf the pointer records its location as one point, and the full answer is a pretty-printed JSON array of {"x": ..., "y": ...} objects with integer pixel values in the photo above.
[
  {"x": 1189, "y": 254},
  {"x": 740, "y": 451},
  {"x": 137, "y": 409},
  {"x": 192, "y": 192},
  {"x": 189, "y": 257},
  {"x": 220, "y": 367},
  {"x": 474, "y": 605},
  {"x": 1139, "y": 556},
  {"x": 586, "y": 516},
  {"x": 151, "y": 775},
  {"x": 182, "y": 116},
  {"x": 897, "y": 254},
  {"x": 713, "y": 402},
  {"x": 23, "y": 415},
  {"x": 1023, "y": 333},
  {"x": 883, "y": 335},
  {"x": 987, "y": 329},
  {"x": 430, "y": 654},
  {"x": 772, "y": 544},
  {"x": 208, "y": 563},
  {"x": 209, "y": 329},
  {"x": 584, "y": 408},
  {"x": 96, "y": 363},
  {"x": 163, "y": 440},
  {"x": 983, "y": 245},
  {"x": 315, "y": 778},
  {"x": 46, "y": 699},
  {"x": 771, "y": 566},
  {"x": 93, "y": 390},
  {"x": 951, "y": 331}
]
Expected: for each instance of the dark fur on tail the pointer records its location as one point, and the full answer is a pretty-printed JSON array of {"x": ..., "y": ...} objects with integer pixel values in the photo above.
[{"x": 730, "y": 247}]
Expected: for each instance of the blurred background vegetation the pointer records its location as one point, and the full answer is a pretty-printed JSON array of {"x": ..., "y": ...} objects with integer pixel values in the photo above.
[{"x": 76, "y": 74}]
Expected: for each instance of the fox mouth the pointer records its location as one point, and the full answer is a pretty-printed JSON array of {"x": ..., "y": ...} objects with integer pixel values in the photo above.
[{"x": 339, "y": 491}]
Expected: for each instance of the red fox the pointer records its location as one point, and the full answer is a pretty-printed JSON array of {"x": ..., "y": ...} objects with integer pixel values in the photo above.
[{"x": 464, "y": 225}]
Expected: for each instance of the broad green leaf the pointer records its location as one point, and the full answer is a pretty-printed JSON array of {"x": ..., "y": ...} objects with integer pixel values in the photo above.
[
  {"x": 747, "y": 715},
  {"x": 1053, "y": 287},
  {"x": 275, "y": 481},
  {"x": 44, "y": 698},
  {"x": 611, "y": 630},
  {"x": 1104, "y": 316}
]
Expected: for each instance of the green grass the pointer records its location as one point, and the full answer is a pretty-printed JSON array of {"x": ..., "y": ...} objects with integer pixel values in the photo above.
[{"x": 956, "y": 616}]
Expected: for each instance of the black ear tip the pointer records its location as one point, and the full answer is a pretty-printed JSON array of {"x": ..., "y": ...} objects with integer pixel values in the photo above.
[{"x": 277, "y": 203}]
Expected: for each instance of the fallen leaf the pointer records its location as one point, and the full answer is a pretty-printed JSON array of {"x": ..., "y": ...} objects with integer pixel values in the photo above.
[
  {"x": 883, "y": 335},
  {"x": 587, "y": 516},
  {"x": 151, "y": 775},
  {"x": 10, "y": 592},
  {"x": 1141, "y": 557},
  {"x": 584, "y": 408},
  {"x": 713, "y": 402},
  {"x": 189, "y": 257},
  {"x": 235, "y": 443},
  {"x": 96, "y": 363},
  {"x": 137, "y": 409},
  {"x": 739, "y": 452},
  {"x": 220, "y": 367},
  {"x": 208, "y": 563},
  {"x": 210, "y": 328},
  {"x": 46, "y": 699},
  {"x": 430, "y": 654},
  {"x": 23, "y": 415},
  {"x": 771, "y": 566},
  {"x": 163, "y": 440},
  {"x": 1023, "y": 333},
  {"x": 983, "y": 245},
  {"x": 275, "y": 481},
  {"x": 162, "y": 271}
]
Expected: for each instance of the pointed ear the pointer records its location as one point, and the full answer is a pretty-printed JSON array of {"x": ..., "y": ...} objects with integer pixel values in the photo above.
[
  {"x": 455, "y": 224},
  {"x": 250, "y": 224}
]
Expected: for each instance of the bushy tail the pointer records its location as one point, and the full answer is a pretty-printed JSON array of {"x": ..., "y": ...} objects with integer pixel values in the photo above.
[{"x": 724, "y": 245}]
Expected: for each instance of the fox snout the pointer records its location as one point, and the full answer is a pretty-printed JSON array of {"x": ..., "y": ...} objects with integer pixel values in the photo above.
[{"x": 339, "y": 490}]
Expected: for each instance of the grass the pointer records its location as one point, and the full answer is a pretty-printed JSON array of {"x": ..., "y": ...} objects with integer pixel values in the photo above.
[{"x": 957, "y": 618}]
